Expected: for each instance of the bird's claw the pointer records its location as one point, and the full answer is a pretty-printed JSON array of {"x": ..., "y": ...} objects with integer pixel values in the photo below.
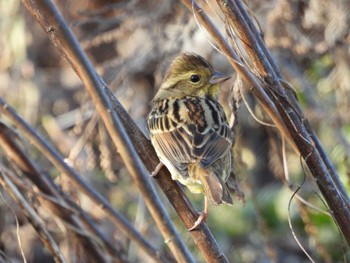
[
  {"x": 156, "y": 171},
  {"x": 202, "y": 217}
]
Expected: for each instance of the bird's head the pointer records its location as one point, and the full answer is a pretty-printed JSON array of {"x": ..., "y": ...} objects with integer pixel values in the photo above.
[{"x": 190, "y": 75}]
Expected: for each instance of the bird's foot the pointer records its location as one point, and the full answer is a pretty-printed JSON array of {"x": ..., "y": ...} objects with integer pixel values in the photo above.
[
  {"x": 156, "y": 171},
  {"x": 202, "y": 217}
]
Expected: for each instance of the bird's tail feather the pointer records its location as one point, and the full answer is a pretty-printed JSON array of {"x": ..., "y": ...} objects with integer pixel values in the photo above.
[{"x": 214, "y": 187}]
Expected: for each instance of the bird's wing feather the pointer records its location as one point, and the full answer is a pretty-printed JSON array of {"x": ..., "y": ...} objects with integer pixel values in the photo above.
[
  {"x": 216, "y": 139},
  {"x": 197, "y": 133},
  {"x": 171, "y": 141},
  {"x": 210, "y": 146}
]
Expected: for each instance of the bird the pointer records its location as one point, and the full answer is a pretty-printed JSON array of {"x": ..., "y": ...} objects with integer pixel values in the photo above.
[{"x": 190, "y": 132}]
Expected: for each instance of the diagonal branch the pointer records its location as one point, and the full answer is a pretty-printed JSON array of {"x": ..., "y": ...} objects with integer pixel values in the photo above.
[
  {"x": 270, "y": 64},
  {"x": 292, "y": 117},
  {"x": 238, "y": 65},
  {"x": 52, "y": 21},
  {"x": 54, "y": 157},
  {"x": 29, "y": 168},
  {"x": 202, "y": 235},
  {"x": 57, "y": 30},
  {"x": 32, "y": 216},
  {"x": 276, "y": 100}
]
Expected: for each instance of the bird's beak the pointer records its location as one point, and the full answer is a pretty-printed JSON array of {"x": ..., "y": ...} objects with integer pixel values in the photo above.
[{"x": 218, "y": 77}]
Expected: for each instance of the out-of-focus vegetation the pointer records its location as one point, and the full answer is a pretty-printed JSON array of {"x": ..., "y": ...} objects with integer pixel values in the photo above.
[{"x": 131, "y": 43}]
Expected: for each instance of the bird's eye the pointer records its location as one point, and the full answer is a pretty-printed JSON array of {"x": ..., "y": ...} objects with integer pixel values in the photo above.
[{"x": 195, "y": 78}]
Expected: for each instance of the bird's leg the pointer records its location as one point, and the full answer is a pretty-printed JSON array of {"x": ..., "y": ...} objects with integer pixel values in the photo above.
[
  {"x": 156, "y": 171},
  {"x": 203, "y": 216}
]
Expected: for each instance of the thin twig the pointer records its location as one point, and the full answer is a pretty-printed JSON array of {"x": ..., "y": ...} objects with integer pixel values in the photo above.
[
  {"x": 65, "y": 42},
  {"x": 202, "y": 235},
  {"x": 298, "y": 131},
  {"x": 273, "y": 98},
  {"x": 293, "y": 99},
  {"x": 33, "y": 217},
  {"x": 54, "y": 157},
  {"x": 238, "y": 65},
  {"x": 55, "y": 203},
  {"x": 269, "y": 62},
  {"x": 63, "y": 38}
]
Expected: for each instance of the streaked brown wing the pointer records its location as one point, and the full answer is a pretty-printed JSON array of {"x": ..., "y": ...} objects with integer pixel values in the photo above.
[
  {"x": 171, "y": 141},
  {"x": 211, "y": 143},
  {"x": 202, "y": 135},
  {"x": 210, "y": 146}
]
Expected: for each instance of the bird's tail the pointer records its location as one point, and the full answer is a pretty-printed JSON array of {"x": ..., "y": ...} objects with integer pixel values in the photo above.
[{"x": 214, "y": 187}]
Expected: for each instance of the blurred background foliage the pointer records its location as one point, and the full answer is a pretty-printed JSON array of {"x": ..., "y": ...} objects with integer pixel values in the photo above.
[{"x": 131, "y": 43}]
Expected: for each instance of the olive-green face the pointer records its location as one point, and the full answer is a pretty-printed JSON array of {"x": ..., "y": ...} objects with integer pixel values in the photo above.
[{"x": 189, "y": 74}]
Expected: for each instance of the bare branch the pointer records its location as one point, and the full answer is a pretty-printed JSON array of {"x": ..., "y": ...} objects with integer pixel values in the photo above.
[
  {"x": 202, "y": 235},
  {"x": 238, "y": 65},
  {"x": 264, "y": 58},
  {"x": 275, "y": 99},
  {"x": 54, "y": 157},
  {"x": 33, "y": 217},
  {"x": 53, "y": 23},
  {"x": 65, "y": 42},
  {"x": 292, "y": 117},
  {"x": 292, "y": 123},
  {"x": 55, "y": 202}
]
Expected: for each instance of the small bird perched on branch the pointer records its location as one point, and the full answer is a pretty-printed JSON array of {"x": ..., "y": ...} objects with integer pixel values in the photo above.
[{"x": 189, "y": 130}]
